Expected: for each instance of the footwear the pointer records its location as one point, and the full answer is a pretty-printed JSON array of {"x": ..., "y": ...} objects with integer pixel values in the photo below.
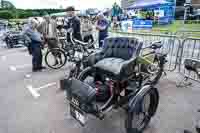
[
  {"x": 42, "y": 67},
  {"x": 36, "y": 70}
]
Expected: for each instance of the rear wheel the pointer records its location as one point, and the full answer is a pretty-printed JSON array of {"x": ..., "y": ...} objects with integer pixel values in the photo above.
[
  {"x": 138, "y": 119},
  {"x": 55, "y": 58}
]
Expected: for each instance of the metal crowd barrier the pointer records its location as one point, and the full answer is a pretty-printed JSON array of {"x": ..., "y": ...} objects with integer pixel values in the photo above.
[
  {"x": 190, "y": 48},
  {"x": 171, "y": 45},
  {"x": 187, "y": 33}
]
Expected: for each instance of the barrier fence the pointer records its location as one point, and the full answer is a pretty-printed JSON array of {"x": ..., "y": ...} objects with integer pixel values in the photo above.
[
  {"x": 190, "y": 49},
  {"x": 170, "y": 43},
  {"x": 187, "y": 33},
  {"x": 177, "y": 47}
]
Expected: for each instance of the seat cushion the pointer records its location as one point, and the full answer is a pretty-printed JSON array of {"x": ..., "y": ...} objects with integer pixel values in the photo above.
[
  {"x": 113, "y": 65},
  {"x": 121, "y": 47}
]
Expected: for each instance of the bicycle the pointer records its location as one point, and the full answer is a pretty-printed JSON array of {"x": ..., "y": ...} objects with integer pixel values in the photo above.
[{"x": 67, "y": 52}]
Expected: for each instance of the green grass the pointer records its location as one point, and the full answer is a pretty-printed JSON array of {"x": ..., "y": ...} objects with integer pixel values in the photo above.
[
  {"x": 177, "y": 26},
  {"x": 17, "y": 20}
]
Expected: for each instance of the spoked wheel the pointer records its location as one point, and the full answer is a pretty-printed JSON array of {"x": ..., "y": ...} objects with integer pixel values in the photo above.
[
  {"x": 55, "y": 58},
  {"x": 138, "y": 119}
]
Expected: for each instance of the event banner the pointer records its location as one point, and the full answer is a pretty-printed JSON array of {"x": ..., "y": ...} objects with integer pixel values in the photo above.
[
  {"x": 145, "y": 24},
  {"x": 129, "y": 25}
]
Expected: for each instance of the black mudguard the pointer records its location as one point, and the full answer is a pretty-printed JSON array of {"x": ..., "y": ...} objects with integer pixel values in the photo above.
[{"x": 134, "y": 105}]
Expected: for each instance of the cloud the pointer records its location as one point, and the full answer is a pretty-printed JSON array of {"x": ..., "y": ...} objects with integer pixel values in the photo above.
[{"x": 79, "y": 4}]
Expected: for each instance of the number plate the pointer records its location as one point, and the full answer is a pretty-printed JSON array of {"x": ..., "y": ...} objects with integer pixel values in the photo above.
[{"x": 77, "y": 113}]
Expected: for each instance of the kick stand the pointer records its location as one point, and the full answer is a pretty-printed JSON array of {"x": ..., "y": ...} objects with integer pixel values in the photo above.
[{"x": 184, "y": 83}]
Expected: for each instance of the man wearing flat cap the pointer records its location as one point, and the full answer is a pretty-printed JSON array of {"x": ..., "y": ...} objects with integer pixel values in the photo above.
[{"x": 74, "y": 23}]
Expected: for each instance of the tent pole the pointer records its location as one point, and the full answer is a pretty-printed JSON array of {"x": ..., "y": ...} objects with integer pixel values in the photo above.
[{"x": 158, "y": 16}]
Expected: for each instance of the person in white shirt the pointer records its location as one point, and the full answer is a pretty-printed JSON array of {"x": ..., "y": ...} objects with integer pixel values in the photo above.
[
  {"x": 49, "y": 30},
  {"x": 87, "y": 30}
]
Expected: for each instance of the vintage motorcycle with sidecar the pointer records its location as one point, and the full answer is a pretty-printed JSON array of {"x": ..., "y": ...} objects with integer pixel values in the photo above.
[{"x": 116, "y": 77}]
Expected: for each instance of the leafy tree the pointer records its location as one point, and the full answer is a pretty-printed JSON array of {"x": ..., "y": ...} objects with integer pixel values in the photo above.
[
  {"x": 5, "y": 14},
  {"x": 20, "y": 13},
  {"x": 7, "y": 4}
]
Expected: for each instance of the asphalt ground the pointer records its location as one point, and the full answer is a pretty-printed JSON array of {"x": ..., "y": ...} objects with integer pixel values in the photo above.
[{"x": 47, "y": 111}]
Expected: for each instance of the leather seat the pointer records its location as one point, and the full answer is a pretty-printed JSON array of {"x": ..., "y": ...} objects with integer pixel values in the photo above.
[
  {"x": 113, "y": 65},
  {"x": 118, "y": 56}
]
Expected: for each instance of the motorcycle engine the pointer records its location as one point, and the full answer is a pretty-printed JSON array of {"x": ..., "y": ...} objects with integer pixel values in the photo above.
[{"x": 103, "y": 90}]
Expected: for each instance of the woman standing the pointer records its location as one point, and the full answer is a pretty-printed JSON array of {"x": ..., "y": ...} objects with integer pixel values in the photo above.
[{"x": 102, "y": 25}]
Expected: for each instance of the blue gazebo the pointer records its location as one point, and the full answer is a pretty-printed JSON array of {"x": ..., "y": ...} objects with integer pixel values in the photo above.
[{"x": 166, "y": 8}]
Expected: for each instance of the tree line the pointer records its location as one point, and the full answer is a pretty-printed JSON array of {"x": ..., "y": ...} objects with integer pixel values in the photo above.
[{"x": 21, "y": 13}]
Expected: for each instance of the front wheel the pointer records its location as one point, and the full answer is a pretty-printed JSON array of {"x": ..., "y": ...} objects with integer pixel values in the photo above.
[
  {"x": 55, "y": 58},
  {"x": 145, "y": 108}
]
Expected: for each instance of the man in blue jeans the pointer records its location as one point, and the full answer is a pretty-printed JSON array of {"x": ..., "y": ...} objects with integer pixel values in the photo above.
[
  {"x": 35, "y": 44},
  {"x": 102, "y": 25}
]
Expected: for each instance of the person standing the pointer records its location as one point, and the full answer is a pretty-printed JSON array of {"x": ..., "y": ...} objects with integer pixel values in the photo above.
[
  {"x": 73, "y": 22},
  {"x": 102, "y": 26},
  {"x": 49, "y": 30},
  {"x": 35, "y": 44},
  {"x": 87, "y": 30}
]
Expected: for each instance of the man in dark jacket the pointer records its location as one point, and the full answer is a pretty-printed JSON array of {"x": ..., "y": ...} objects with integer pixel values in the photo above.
[
  {"x": 74, "y": 23},
  {"x": 35, "y": 39}
]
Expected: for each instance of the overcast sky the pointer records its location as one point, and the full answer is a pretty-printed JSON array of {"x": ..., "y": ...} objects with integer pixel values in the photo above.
[{"x": 80, "y": 4}]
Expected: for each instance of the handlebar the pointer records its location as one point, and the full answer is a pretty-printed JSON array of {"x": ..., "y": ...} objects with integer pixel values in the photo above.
[
  {"x": 154, "y": 45},
  {"x": 77, "y": 42}
]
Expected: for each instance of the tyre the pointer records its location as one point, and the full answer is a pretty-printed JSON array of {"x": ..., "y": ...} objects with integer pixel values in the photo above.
[
  {"x": 55, "y": 58},
  {"x": 145, "y": 108}
]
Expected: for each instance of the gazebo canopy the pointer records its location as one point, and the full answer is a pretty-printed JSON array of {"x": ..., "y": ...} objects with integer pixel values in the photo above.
[{"x": 147, "y": 3}]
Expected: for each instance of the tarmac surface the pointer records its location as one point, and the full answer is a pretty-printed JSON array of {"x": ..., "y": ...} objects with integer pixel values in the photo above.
[{"x": 47, "y": 111}]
